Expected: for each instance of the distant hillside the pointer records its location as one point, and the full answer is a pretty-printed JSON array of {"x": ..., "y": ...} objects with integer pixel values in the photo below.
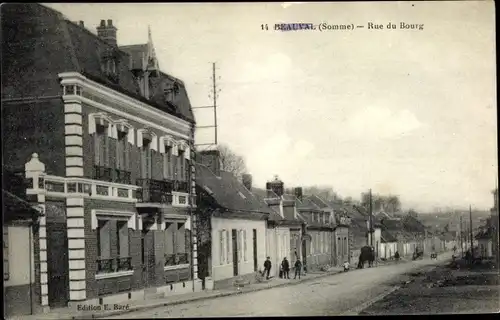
[{"x": 439, "y": 220}]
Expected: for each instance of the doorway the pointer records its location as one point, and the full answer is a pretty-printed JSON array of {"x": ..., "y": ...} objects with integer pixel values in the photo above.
[
  {"x": 234, "y": 234},
  {"x": 255, "y": 263},
  {"x": 57, "y": 264}
]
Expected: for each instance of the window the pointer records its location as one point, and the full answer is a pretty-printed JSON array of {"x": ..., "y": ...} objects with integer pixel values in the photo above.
[
  {"x": 175, "y": 162},
  {"x": 222, "y": 251},
  {"x": 122, "y": 152},
  {"x": 245, "y": 245},
  {"x": 339, "y": 246},
  {"x": 101, "y": 146},
  {"x": 346, "y": 249},
  {"x": 182, "y": 166},
  {"x": 5, "y": 253},
  {"x": 146, "y": 159},
  {"x": 167, "y": 163},
  {"x": 312, "y": 245},
  {"x": 123, "y": 239},
  {"x": 103, "y": 239},
  {"x": 240, "y": 242}
]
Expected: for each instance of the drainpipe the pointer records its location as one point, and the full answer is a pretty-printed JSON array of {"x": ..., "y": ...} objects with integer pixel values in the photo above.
[
  {"x": 191, "y": 200},
  {"x": 31, "y": 225}
]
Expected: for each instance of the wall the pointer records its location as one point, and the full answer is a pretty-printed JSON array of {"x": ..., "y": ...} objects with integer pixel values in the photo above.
[
  {"x": 17, "y": 287},
  {"x": 34, "y": 127},
  {"x": 220, "y": 272},
  {"x": 277, "y": 248},
  {"x": 340, "y": 253},
  {"x": 320, "y": 255}
]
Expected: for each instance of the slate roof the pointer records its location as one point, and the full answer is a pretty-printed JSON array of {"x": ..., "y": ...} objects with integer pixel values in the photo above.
[
  {"x": 387, "y": 236},
  {"x": 307, "y": 204},
  {"x": 320, "y": 203},
  {"x": 16, "y": 208},
  {"x": 38, "y": 43},
  {"x": 411, "y": 224},
  {"x": 228, "y": 192}
]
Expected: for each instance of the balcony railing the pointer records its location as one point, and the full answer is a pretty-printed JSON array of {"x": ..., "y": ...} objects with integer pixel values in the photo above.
[
  {"x": 121, "y": 176},
  {"x": 114, "y": 265},
  {"x": 176, "y": 259},
  {"x": 154, "y": 191},
  {"x": 102, "y": 173},
  {"x": 181, "y": 186}
]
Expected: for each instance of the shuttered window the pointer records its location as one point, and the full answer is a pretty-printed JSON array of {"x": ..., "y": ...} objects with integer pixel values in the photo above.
[
  {"x": 146, "y": 159},
  {"x": 122, "y": 152},
  {"x": 101, "y": 146},
  {"x": 167, "y": 163},
  {"x": 5, "y": 253},
  {"x": 245, "y": 245},
  {"x": 228, "y": 247},
  {"x": 221, "y": 248},
  {"x": 123, "y": 239}
]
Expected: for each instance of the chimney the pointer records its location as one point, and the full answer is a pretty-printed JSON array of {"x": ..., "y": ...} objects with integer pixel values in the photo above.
[
  {"x": 298, "y": 193},
  {"x": 210, "y": 158},
  {"x": 276, "y": 186},
  {"x": 81, "y": 24},
  {"x": 107, "y": 32},
  {"x": 247, "y": 181}
]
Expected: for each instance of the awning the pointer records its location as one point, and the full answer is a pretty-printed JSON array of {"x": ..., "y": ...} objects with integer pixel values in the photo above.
[{"x": 15, "y": 208}]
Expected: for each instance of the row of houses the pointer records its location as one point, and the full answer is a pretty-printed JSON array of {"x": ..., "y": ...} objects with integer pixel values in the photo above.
[{"x": 112, "y": 203}]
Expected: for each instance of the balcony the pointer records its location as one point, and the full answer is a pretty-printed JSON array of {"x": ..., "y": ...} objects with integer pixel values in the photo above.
[
  {"x": 180, "y": 186},
  {"x": 154, "y": 191},
  {"x": 102, "y": 173},
  {"x": 121, "y": 176},
  {"x": 176, "y": 259},
  {"x": 114, "y": 265}
]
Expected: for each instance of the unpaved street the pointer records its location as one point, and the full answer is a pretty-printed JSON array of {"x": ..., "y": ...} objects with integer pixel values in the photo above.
[{"x": 332, "y": 295}]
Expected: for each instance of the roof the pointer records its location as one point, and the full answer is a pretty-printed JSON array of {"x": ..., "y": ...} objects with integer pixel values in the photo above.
[
  {"x": 16, "y": 208},
  {"x": 228, "y": 192},
  {"x": 51, "y": 44},
  {"x": 412, "y": 224},
  {"x": 387, "y": 236},
  {"x": 447, "y": 236},
  {"x": 307, "y": 204},
  {"x": 320, "y": 203},
  {"x": 486, "y": 233}
]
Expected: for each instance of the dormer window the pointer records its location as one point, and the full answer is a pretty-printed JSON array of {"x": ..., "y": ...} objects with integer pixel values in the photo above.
[
  {"x": 72, "y": 90},
  {"x": 171, "y": 91}
]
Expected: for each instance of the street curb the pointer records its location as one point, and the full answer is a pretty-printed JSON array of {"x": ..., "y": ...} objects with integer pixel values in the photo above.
[
  {"x": 358, "y": 309},
  {"x": 219, "y": 295}
]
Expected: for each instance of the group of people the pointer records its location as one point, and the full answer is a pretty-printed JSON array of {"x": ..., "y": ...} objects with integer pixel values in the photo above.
[{"x": 285, "y": 268}]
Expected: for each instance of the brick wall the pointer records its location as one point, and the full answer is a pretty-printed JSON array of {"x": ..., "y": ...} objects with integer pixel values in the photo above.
[
  {"x": 110, "y": 285},
  {"x": 34, "y": 127}
]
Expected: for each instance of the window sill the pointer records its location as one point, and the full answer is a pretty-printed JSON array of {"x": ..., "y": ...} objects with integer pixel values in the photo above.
[
  {"x": 176, "y": 267},
  {"x": 110, "y": 275}
]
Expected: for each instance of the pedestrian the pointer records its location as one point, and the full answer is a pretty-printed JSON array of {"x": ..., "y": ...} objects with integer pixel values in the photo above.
[
  {"x": 396, "y": 256},
  {"x": 346, "y": 266},
  {"x": 267, "y": 267},
  {"x": 298, "y": 266},
  {"x": 286, "y": 268}
]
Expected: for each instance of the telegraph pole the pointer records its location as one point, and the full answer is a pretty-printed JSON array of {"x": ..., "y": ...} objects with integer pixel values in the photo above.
[
  {"x": 461, "y": 236},
  {"x": 471, "y": 236},
  {"x": 214, "y": 94},
  {"x": 371, "y": 219}
]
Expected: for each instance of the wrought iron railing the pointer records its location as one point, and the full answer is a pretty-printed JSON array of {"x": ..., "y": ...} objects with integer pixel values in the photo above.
[
  {"x": 176, "y": 259},
  {"x": 102, "y": 173},
  {"x": 122, "y": 176},
  {"x": 114, "y": 265},
  {"x": 181, "y": 186},
  {"x": 154, "y": 191},
  {"x": 124, "y": 264}
]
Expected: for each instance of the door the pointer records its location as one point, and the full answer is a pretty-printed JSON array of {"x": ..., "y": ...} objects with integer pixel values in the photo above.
[
  {"x": 57, "y": 264},
  {"x": 255, "y": 265},
  {"x": 148, "y": 258},
  {"x": 234, "y": 234}
]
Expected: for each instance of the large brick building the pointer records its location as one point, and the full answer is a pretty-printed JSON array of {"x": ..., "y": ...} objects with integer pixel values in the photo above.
[{"x": 108, "y": 137}]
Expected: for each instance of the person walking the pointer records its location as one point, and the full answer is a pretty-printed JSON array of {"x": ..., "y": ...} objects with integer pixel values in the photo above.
[
  {"x": 298, "y": 267},
  {"x": 286, "y": 268},
  {"x": 267, "y": 267}
]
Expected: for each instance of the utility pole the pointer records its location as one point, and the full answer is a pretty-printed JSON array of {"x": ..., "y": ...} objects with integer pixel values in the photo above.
[
  {"x": 461, "y": 236},
  {"x": 214, "y": 94},
  {"x": 371, "y": 220},
  {"x": 471, "y": 236}
]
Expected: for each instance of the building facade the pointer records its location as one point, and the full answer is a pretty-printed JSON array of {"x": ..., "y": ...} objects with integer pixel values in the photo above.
[
  {"x": 20, "y": 228},
  {"x": 113, "y": 136},
  {"x": 232, "y": 226}
]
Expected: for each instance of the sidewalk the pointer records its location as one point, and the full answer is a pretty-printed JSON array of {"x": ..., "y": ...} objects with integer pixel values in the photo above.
[{"x": 68, "y": 313}]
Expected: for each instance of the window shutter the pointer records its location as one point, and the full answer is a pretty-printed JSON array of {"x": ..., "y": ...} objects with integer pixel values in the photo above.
[
  {"x": 97, "y": 150},
  {"x": 5, "y": 253},
  {"x": 221, "y": 251},
  {"x": 245, "y": 245},
  {"x": 228, "y": 249}
]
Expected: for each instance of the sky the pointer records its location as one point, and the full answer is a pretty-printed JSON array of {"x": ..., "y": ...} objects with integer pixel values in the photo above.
[{"x": 404, "y": 112}]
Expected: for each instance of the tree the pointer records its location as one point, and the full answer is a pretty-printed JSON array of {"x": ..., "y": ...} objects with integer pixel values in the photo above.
[
  {"x": 231, "y": 162},
  {"x": 390, "y": 203}
]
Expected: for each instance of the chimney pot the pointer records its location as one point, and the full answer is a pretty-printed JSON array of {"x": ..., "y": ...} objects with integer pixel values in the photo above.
[
  {"x": 103, "y": 23},
  {"x": 110, "y": 23}
]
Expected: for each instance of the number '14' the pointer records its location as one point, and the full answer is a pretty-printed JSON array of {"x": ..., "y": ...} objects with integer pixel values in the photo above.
[{"x": 264, "y": 26}]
